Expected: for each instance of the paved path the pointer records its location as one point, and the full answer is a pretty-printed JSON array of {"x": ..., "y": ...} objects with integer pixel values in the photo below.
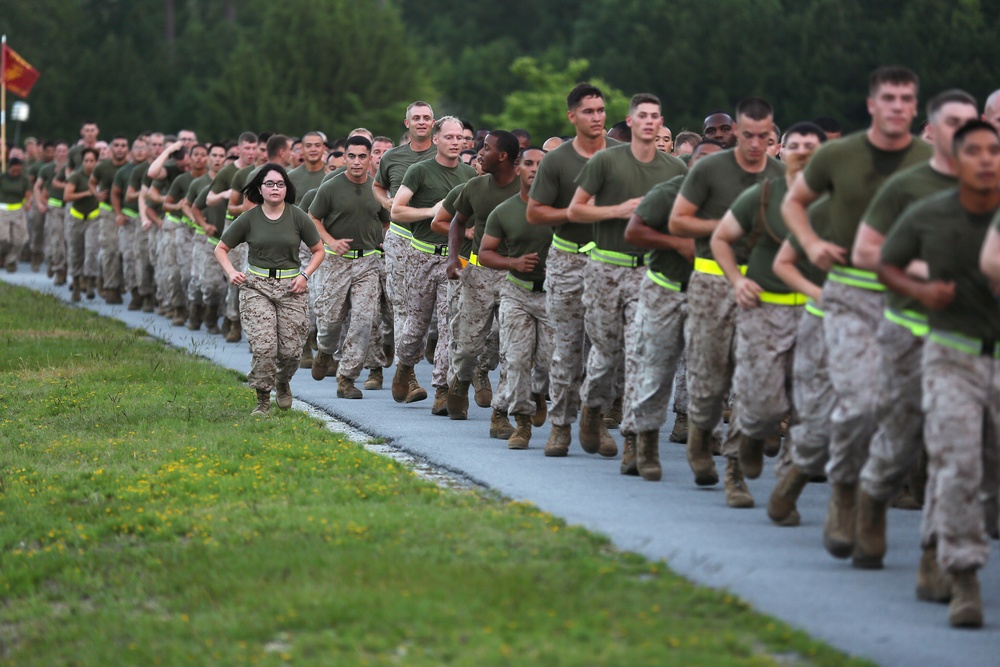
[{"x": 781, "y": 571}]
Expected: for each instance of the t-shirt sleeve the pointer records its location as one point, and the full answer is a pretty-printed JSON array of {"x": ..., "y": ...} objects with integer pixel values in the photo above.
[
  {"x": 308, "y": 231},
  {"x": 413, "y": 178},
  {"x": 817, "y": 172},
  {"x": 494, "y": 225},
  {"x": 545, "y": 187},
  {"x": 322, "y": 204},
  {"x": 236, "y": 232},
  {"x": 902, "y": 245},
  {"x": 461, "y": 204},
  {"x": 654, "y": 209},
  {"x": 745, "y": 208},
  {"x": 884, "y": 209},
  {"x": 591, "y": 177},
  {"x": 696, "y": 187}
]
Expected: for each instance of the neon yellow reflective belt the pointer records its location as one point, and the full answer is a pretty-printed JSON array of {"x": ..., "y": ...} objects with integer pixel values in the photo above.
[
  {"x": 12, "y": 207},
  {"x": 429, "y": 248},
  {"x": 531, "y": 286},
  {"x": 712, "y": 268},
  {"x": 80, "y": 216},
  {"x": 230, "y": 217},
  {"x": 106, "y": 207},
  {"x": 965, "y": 344},
  {"x": 663, "y": 281},
  {"x": 474, "y": 259},
  {"x": 189, "y": 222},
  {"x": 570, "y": 247},
  {"x": 130, "y": 213},
  {"x": 273, "y": 273},
  {"x": 915, "y": 322},
  {"x": 400, "y": 231},
  {"x": 778, "y": 299},
  {"x": 813, "y": 308},
  {"x": 170, "y": 217},
  {"x": 55, "y": 202},
  {"x": 617, "y": 258},
  {"x": 846, "y": 275},
  {"x": 351, "y": 254},
  {"x": 212, "y": 239},
  {"x": 198, "y": 231}
]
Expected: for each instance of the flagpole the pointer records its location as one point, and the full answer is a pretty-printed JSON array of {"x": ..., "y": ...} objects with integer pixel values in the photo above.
[{"x": 3, "y": 105}]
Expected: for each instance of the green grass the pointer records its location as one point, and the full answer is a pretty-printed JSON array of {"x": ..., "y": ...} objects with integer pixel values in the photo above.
[{"x": 146, "y": 519}]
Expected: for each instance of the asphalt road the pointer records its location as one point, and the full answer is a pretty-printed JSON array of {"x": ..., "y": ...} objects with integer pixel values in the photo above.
[{"x": 781, "y": 571}]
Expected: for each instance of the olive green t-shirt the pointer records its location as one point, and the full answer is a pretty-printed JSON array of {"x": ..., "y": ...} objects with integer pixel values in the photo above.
[
  {"x": 654, "y": 210},
  {"x": 940, "y": 231},
  {"x": 273, "y": 244},
  {"x": 224, "y": 179},
  {"x": 135, "y": 180},
  {"x": 396, "y": 161},
  {"x": 104, "y": 172},
  {"x": 430, "y": 182},
  {"x": 196, "y": 186},
  {"x": 613, "y": 176},
  {"x": 898, "y": 192},
  {"x": 555, "y": 185},
  {"x": 121, "y": 181},
  {"x": 335, "y": 173},
  {"x": 349, "y": 210},
  {"x": 49, "y": 173},
  {"x": 162, "y": 185},
  {"x": 214, "y": 215},
  {"x": 36, "y": 167},
  {"x": 852, "y": 170},
  {"x": 242, "y": 177},
  {"x": 178, "y": 188},
  {"x": 509, "y": 222},
  {"x": 12, "y": 190},
  {"x": 307, "y": 199},
  {"x": 81, "y": 183},
  {"x": 479, "y": 197},
  {"x": 714, "y": 184},
  {"x": 769, "y": 233},
  {"x": 304, "y": 181},
  {"x": 74, "y": 158},
  {"x": 448, "y": 204},
  {"x": 819, "y": 219}
]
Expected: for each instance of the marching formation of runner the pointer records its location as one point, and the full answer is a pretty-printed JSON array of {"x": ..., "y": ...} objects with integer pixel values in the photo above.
[{"x": 831, "y": 298}]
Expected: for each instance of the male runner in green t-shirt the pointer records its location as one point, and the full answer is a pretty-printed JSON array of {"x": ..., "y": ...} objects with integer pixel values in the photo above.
[
  {"x": 898, "y": 442},
  {"x": 309, "y": 174},
  {"x": 961, "y": 363},
  {"x": 851, "y": 170},
  {"x": 15, "y": 194},
  {"x": 36, "y": 217},
  {"x": 200, "y": 250},
  {"x": 83, "y": 212},
  {"x": 103, "y": 179},
  {"x": 706, "y": 195},
  {"x": 126, "y": 218},
  {"x": 88, "y": 139},
  {"x": 425, "y": 184},
  {"x": 510, "y": 243},
  {"x": 609, "y": 188},
  {"x": 47, "y": 190},
  {"x": 551, "y": 192}
]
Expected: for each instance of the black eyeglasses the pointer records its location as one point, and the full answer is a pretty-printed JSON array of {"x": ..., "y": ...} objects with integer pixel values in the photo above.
[{"x": 274, "y": 184}]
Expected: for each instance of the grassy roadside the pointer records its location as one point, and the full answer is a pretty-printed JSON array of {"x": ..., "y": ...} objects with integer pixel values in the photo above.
[{"x": 146, "y": 519}]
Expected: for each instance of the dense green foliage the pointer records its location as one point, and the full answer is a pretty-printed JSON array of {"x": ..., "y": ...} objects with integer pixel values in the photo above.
[{"x": 337, "y": 64}]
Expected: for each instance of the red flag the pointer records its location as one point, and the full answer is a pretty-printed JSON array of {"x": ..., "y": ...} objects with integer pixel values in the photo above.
[{"x": 18, "y": 75}]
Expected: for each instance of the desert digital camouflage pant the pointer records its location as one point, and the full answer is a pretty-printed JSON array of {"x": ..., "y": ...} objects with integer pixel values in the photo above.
[
  {"x": 526, "y": 344},
  {"x": 36, "y": 230},
  {"x": 564, "y": 299},
  {"x": 145, "y": 245},
  {"x": 183, "y": 242},
  {"x": 896, "y": 446},
  {"x": 852, "y": 317},
  {"x": 762, "y": 378},
  {"x": 680, "y": 383},
  {"x": 55, "y": 238},
  {"x": 196, "y": 262},
  {"x": 111, "y": 257},
  {"x": 474, "y": 318},
  {"x": 427, "y": 291},
  {"x": 659, "y": 347},
  {"x": 92, "y": 249},
  {"x": 350, "y": 286},
  {"x": 168, "y": 275},
  {"x": 77, "y": 237},
  {"x": 813, "y": 397},
  {"x": 961, "y": 402},
  {"x": 127, "y": 247},
  {"x": 13, "y": 235},
  {"x": 238, "y": 256},
  {"x": 213, "y": 279},
  {"x": 611, "y": 298},
  {"x": 275, "y": 324},
  {"x": 396, "y": 250}
]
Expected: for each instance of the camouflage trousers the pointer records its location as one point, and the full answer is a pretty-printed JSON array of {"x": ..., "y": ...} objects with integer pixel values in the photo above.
[
  {"x": 92, "y": 249},
  {"x": 126, "y": 247},
  {"x": 396, "y": 251},
  {"x": 13, "y": 235},
  {"x": 852, "y": 318},
  {"x": 350, "y": 286},
  {"x": 813, "y": 397},
  {"x": 526, "y": 344},
  {"x": 213, "y": 279},
  {"x": 196, "y": 262},
  {"x": 111, "y": 257},
  {"x": 238, "y": 256},
  {"x": 961, "y": 402},
  {"x": 762, "y": 378},
  {"x": 36, "y": 230},
  {"x": 564, "y": 300},
  {"x": 680, "y": 383},
  {"x": 274, "y": 322},
  {"x": 145, "y": 246},
  {"x": 168, "y": 274},
  {"x": 659, "y": 347},
  {"x": 77, "y": 237},
  {"x": 897, "y": 443},
  {"x": 55, "y": 238},
  {"x": 611, "y": 298},
  {"x": 183, "y": 242},
  {"x": 708, "y": 341},
  {"x": 427, "y": 292},
  {"x": 474, "y": 318},
  {"x": 491, "y": 356}
]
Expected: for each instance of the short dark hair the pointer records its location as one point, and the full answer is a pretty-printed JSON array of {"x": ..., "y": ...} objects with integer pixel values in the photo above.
[
  {"x": 686, "y": 136},
  {"x": 224, "y": 148},
  {"x": 894, "y": 74},
  {"x": 954, "y": 95},
  {"x": 806, "y": 127},
  {"x": 359, "y": 140},
  {"x": 580, "y": 91},
  {"x": 83, "y": 153},
  {"x": 643, "y": 98},
  {"x": 621, "y": 128},
  {"x": 246, "y": 138},
  {"x": 828, "y": 124},
  {"x": 754, "y": 108},
  {"x": 252, "y": 189},
  {"x": 467, "y": 124},
  {"x": 972, "y": 126},
  {"x": 706, "y": 142},
  {"x": 521, "y": 133},
  {"x": 507, "y": 143},
  {"x": 275, "y": 143}
]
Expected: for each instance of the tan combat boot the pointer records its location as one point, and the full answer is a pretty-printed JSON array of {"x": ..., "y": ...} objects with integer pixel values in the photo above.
[
  {"x": 500, "y": 426},
  {"x": 90, "y": 284},
  {"x": 680, "y": 431},
  {"x": 374, "y": 381},
  {"x": 60, "y": 278},
  {"x": 235, "y": 331},
  {"x": 591, "y": 422},
  {"x": 614, "y": 417},
  {"x": 648, "y": 455},
  {"x": 134, "y": 300},
  {"x": 933, "y": 583},
  {"x": 77, "y": 288},
  {"x": 404, "y": 386},
  {"x": 306, "y": 358},
  {"x": 283, "y": 393},
  {"x": 751, "y": 456},
  {"x": 440, "y": 407},
  {"x": 869, "y": 536},
  {"x": 966, "y": 607},
  {"x": 346, "y": 388},
  {"x": 458, "y": 399},
  {"x": 521, "y": 436},
  {"x": 558, "y": 442},
  {"x": 781, "y": 505},
  {"x": 320, "y": 365},
  {"x": 194, "y": 320},
  {"x": 263, "y": 402},
  {"x": 838, "y": 531},
  {"x": 483, "y": 388},
  {"x": 699, "y": 456},
  {"x": 737, "y": 494},
  {"x": 180, "y": 316},
  {"x": 630, "y": 464},
  {"x": 211, "y": 319},
  {"x": 541, "y": 410}
]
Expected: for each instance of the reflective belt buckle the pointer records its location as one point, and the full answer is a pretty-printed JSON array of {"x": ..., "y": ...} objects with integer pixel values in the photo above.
[
  {"x": 780, "y": 299},
  {"x": 280, "y": 274}
]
